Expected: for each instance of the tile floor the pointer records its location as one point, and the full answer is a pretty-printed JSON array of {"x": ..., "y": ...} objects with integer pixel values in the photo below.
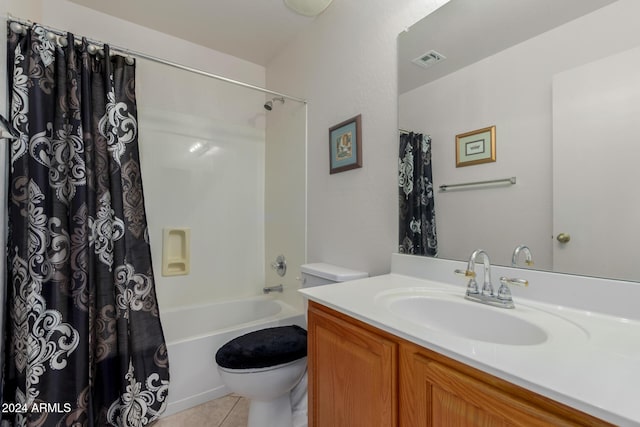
[{"x": 227, "y": 411}]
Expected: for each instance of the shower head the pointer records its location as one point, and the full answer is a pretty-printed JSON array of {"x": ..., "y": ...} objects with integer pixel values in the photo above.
[{"x": 269, "y": 104}]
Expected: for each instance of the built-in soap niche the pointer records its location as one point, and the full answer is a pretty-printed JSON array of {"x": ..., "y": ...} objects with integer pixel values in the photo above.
[{"x": 175, "y": 251}]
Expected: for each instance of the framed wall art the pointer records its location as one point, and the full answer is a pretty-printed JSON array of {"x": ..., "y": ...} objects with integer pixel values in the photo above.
[
  {"x": 345, "y": 145},
  {"x": 475, "y": 147}
]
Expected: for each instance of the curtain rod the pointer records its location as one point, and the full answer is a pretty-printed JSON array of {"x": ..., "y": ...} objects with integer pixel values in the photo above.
[{"x": 130, "y": 52}]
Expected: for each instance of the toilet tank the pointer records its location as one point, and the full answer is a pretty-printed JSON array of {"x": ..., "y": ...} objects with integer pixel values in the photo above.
[{"x": 320, "y": 273}]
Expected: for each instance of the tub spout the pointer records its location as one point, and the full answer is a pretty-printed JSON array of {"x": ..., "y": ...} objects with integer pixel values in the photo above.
[{"x": 269, "y": 289}]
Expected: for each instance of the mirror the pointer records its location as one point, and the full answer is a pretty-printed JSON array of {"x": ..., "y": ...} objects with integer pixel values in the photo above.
[{"x": 559, "y": 81}]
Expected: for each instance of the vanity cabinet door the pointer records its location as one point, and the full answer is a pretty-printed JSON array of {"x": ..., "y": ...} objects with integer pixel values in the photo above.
[
  {"x": 436, "y": 391},
  {"x": 352, "y": 373}
]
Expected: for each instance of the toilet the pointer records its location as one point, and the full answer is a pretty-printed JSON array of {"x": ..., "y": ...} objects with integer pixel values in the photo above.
[{"x": 269, "y": 366}]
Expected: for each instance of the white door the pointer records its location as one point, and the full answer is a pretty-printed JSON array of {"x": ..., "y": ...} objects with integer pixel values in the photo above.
[{"x": 596, "y": 167}]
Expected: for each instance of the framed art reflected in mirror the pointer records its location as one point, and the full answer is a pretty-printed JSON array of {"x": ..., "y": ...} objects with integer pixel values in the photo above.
[{"x": 475, "y": 147}]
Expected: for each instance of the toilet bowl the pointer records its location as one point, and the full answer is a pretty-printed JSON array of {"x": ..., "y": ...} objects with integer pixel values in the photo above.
[
  {"x": 266, "y": 365},
  {"x": 268, "y": 390}
]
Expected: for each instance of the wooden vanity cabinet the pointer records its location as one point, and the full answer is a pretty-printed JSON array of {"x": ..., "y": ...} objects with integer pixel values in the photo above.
[
  {"x": 360, "y": 376},
  {"x": 352, "y": 373},
  {"x": 438, "y": 391}
]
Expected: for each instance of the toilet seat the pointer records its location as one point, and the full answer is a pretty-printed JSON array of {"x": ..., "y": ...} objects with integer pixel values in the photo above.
[{"x": 258, "y": 370}]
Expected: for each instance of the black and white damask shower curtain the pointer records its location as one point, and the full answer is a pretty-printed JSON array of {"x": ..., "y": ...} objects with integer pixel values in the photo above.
[
  {"x": 83, "y": 341},
  {"x": 417, "y": 228}
]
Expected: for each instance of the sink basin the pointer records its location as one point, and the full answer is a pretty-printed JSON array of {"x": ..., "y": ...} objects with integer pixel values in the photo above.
[
  {"x": 457, "y": 316},
  {"x": 454, "y": 315}
]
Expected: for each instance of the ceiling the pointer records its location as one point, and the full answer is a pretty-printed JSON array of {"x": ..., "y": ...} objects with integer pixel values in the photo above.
[
  {"x": 254, "y": 30},
  {"x": 257, "y": 30},
  {"x": 465, "y": 31}
]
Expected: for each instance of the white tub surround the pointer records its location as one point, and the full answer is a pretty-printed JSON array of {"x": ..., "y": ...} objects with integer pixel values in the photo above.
[
  {"x": 195, "y": 333},
  {"x": 590, "y": 359}
]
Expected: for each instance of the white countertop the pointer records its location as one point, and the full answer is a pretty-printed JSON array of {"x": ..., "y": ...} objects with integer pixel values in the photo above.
[{"x": 591, "y": 364}]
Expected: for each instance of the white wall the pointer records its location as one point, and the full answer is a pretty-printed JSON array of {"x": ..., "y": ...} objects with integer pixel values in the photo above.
[
  {"x": 511, "y": 90},
  {"x": 345, "y": 64},
  {"x": 219, "y": 195},
  {"x": 285, "y": 195}
]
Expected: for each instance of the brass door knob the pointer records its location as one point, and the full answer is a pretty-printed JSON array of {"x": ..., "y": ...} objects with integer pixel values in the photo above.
[{"x": 563, "y": 238}]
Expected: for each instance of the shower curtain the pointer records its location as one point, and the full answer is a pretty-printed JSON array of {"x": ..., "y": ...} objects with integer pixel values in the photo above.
[
  {"x": 83, "y": 341},
  {"x": 417, "y": 230}
]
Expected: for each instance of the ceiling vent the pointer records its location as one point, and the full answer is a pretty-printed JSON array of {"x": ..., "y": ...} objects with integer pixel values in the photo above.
[{"x": 429, "y": 59}]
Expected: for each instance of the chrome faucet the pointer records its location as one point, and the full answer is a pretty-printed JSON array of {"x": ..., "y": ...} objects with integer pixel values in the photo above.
[
  {"x": 269, "y": 289},
  {"x": 503, "y": 299},
  {"x": 472, "y": 286},
  {"x": 527, "y": 256}
]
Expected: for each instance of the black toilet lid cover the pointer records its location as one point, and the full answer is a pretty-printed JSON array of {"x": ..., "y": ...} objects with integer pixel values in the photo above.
[{"x": 264, "y": 348}]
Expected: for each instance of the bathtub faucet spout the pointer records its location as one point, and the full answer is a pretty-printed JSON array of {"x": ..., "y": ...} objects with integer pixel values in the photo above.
[{"x": 269, "y": 289}]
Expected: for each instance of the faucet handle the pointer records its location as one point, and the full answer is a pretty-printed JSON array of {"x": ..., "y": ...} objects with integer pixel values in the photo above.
[
  {"x": 504, "y": 293},
  {"x": 514, "y": 281},
  {"x": 472, "y": 286},
  {"x": 280, "y": 265},
  {"x": 465, "y": 273}
]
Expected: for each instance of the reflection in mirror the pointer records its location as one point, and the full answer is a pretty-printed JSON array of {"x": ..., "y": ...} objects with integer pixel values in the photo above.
[{"x": 559, "y": 81}]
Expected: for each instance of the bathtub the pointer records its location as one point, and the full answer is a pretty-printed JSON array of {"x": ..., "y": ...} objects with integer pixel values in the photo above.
[{"x": 194, "y": 334}]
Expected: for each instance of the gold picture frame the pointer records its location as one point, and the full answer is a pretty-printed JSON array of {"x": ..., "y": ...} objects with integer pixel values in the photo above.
[{"x": 476, "y": 147}]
